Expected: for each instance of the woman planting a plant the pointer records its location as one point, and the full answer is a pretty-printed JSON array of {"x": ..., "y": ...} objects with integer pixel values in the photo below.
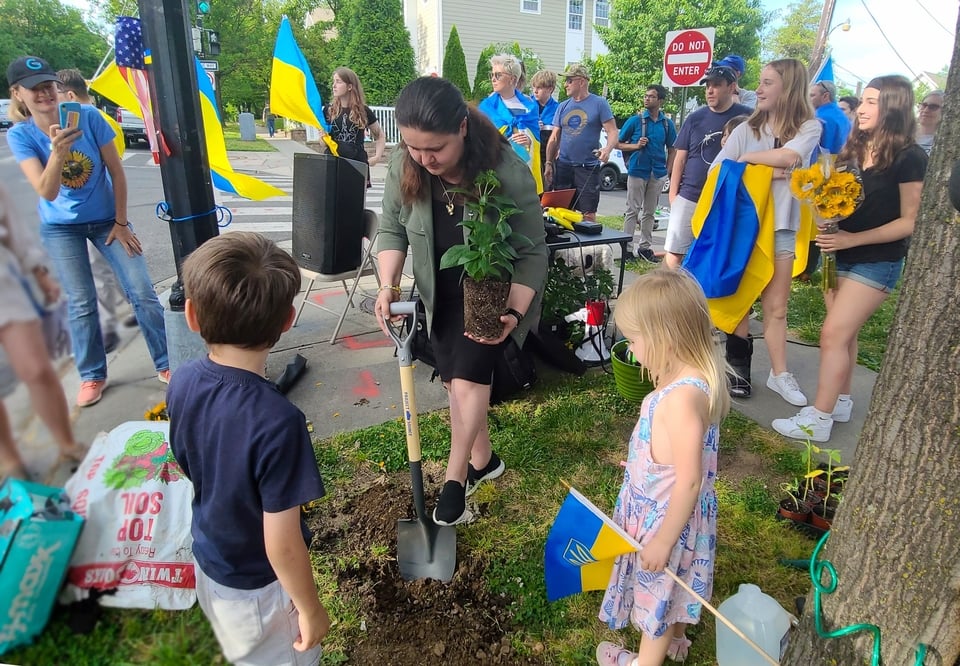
[
  {"x": 870, "y": 245},
  {"x": 458, "y": 191}
]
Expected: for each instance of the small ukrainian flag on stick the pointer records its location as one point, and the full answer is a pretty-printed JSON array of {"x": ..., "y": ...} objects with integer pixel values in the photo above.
[{"x": 581, "y": 548}]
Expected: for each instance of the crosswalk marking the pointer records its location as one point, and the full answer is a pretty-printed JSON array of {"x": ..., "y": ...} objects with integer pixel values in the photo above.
[{"x": 275, "y": 215}]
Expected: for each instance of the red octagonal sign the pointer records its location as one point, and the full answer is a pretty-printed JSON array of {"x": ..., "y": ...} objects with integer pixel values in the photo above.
[{"x": 687, "y": 56}]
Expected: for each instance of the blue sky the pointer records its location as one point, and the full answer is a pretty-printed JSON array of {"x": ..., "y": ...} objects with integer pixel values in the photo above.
[{"x": 925, "y": 42}]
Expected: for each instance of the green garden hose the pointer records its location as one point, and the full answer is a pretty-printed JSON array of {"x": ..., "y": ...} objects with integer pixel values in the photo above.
[{"x": 816, "y": 570}]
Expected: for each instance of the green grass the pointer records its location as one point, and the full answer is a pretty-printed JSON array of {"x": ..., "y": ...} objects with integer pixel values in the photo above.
[
  {"x": 232, "y": 139},
  {"x": 568, "y": 428},
  {"x": 806, "y": 311}
]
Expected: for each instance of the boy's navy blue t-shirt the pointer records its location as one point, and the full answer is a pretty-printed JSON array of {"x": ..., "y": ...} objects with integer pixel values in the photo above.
[
  {"x": 700, "y": 136},
  {"x": 247, "y": 451}
]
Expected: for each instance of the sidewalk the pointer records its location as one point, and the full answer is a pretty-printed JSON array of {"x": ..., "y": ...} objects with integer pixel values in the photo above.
[{"x": 355, "y": 382}]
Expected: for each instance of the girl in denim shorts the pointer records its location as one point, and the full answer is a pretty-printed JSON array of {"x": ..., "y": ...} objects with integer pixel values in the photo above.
[{"x": 870, "y": 246}]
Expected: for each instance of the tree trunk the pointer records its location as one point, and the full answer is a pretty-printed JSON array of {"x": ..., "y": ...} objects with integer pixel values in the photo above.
[{"x": 896, "y": 540}]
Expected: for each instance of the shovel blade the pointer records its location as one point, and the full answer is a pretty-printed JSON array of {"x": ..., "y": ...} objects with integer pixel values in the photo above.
[{"x": 426, "y": 550}]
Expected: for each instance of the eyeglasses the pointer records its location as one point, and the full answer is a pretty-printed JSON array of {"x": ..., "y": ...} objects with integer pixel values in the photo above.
[
  {"x": 825, "y": 87},
  {"x": 932, "y": 107},
  {"x": 571, "y": 79},
  {"x": 496, "y": 76}
]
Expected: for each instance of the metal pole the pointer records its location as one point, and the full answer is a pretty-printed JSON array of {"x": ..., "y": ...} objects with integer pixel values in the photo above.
[
  {"x": 176, "y": 107},
  {"x": 820, "y": 45},
  {"x": 683, "y": 105}
]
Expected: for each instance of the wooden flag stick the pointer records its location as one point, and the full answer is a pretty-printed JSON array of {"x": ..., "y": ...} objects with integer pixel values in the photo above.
[{"x": 706, "y": 604}]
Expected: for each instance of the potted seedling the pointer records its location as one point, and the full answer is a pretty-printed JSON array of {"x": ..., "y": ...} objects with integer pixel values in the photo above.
[
  {"x": 793, "y": 506},
  {"x": 823, "y": 514},
  {"x": 486, "y": 255}
]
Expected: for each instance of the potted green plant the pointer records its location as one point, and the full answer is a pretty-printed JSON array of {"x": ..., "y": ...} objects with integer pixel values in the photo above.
[
  {"x": 633, "y": 381},
  {"x": 563, "y": 293},
  {"x": 486, "y": 255},
  {"x": 793, "y": 506},
  {"x": 823, "y": 514}
]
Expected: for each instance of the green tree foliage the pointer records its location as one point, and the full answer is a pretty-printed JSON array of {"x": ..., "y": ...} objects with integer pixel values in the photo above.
[
  {"x": 375, "y": 44},
  {"x": 50, "y": 30},
  {"x": 481, "y": 84},
  {"x": 795, "y": 37},
  {"x": 455, "y": 63},
  {"x": 635, "y": 40}
]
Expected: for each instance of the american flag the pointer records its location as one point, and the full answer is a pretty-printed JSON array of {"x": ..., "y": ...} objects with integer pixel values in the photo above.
[{"x": 128, "y": 42}]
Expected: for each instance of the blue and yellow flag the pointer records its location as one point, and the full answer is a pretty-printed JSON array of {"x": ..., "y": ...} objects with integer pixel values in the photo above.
[
  {"x": 509, "y": 123},
  {"x": 293, "y": 91},
  {"x": 756, "y": 260},
  {"x": 221, "y": 173},
  {"x": 581, "y": 548}
]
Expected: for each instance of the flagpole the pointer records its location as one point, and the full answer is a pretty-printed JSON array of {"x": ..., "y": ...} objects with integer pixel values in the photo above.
[{"x": 706, "y": 604}]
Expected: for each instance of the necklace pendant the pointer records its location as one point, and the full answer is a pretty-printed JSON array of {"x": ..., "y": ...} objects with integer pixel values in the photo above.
[{"x": 450, "y": 208}]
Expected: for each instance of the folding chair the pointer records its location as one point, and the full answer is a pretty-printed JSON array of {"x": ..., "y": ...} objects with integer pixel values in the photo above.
[{"x": 368, "y": 266}]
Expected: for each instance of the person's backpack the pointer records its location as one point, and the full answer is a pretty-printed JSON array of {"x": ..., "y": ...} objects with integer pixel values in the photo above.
[{"x": 627, "y": 154}]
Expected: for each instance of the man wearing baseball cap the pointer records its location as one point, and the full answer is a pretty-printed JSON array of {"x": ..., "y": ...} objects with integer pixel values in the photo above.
[
  {"x": 737, "y": 64},
  {"x": 697, "y": 144},
  {"x": 573, "y": 160}
]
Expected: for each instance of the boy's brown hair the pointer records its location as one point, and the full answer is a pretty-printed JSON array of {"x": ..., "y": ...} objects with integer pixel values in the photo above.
[
  {"x": 242, "y": 287},
  {"x": 72, "y": 80}
]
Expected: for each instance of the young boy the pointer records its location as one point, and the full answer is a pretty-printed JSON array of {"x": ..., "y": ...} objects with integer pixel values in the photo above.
[{"x": 247, "y": 452}]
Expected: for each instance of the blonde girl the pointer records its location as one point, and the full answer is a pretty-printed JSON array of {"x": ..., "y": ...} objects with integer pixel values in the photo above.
[
  {"x": 667, "y": 501},
  {"x": 782, "y": 132}
]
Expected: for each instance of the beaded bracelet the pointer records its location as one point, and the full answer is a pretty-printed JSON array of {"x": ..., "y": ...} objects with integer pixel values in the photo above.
[{"x": 395, "y": 288}]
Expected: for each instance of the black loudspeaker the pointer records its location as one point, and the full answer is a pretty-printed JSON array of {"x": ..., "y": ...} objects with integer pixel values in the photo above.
[{"x": 328, "y": 200}]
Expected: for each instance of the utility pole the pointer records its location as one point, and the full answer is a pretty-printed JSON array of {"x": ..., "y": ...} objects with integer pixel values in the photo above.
[
  {"x": 187, "y": 186},
  {"x": 820, "y": 46}
]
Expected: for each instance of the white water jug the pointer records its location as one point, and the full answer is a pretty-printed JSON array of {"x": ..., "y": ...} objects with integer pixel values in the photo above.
[{"x": 761, "y": 619}]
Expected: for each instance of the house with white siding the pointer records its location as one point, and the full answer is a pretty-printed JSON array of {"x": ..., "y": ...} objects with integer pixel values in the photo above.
[{"x": 559, "y": 31}]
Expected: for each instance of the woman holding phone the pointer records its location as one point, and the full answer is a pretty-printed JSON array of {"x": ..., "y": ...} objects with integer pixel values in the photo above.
[{"x": 78, "y": 175}]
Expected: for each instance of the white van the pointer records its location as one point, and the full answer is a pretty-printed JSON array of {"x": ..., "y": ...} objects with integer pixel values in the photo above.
[{"x": 5, "y": 122}]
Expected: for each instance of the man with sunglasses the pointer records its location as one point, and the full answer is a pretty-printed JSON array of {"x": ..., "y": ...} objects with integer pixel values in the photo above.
[
  {"x": 573, "y": 160},
  {"x": 928, "y": 119}
]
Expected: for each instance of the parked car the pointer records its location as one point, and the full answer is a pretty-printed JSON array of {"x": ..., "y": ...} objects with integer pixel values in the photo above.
[
  {"x": 132, "y": 126},
  {"x": 5, "y": 122},
  {"x": 614, "y": 172}
]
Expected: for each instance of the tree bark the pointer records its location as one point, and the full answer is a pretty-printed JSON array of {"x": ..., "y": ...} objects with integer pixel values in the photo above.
[{"x": 896, "y": 540}]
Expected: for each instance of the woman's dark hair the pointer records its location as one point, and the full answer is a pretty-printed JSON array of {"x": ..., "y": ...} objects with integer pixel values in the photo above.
[
  {"x": 896, "y": 124},
  {"x": 433, "y": 104}
]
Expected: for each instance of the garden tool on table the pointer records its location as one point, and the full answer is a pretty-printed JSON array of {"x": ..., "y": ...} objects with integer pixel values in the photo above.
[{"x": 424, "y": 549}]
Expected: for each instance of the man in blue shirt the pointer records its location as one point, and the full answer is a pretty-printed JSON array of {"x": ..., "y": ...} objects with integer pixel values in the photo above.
[
  {"x": 648, "y": 138},
  {"x": 835, "y": 130},
  {"x": 573, "y": 159}
]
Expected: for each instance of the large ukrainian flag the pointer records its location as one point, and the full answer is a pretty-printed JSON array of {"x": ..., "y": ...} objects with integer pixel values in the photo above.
[
  {"x": 581, "y": 548},
  {"x": 293, "y": 91},
  {"x": 221, "y": 173}
]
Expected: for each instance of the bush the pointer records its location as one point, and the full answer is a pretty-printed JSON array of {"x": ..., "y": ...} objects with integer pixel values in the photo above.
[
  {"x": 377, "y": 48},
  {"x": 455, "y": 63}
]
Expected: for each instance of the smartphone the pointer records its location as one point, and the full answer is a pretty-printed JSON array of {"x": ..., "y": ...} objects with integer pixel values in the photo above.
[{"x": 69, "y": 114}]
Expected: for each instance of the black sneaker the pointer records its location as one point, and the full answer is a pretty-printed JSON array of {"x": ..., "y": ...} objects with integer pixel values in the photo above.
[
  {"x": 110, "y": 341},
  {"x": 647, "y": 254},
  {"x": 627, "y": 255},
  {"x": 494, "y": 469},
  {"x": 451, "y": 506}
]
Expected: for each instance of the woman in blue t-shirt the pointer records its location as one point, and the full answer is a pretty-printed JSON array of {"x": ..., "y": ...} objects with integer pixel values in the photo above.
[
  {"x": 83, "y": 196},
  {"x": 870, "y": 246}
]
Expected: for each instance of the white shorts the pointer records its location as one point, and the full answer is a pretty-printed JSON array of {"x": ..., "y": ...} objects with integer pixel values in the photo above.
[
  {"x": 679, "y": 231},
  {"x": 254, "y": 627}
]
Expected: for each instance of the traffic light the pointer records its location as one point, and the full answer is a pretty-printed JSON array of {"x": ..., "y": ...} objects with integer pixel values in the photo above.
[
  {"x": 203, "y": 6},
  {"x": 213, "y": 39},
  {"x": 195, "y": 35}
]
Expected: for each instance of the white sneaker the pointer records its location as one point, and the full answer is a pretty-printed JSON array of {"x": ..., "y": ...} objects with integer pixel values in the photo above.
[
  {"x": 841, "y": 410},
  {"x": 805, "y": 425},
  {"x": 786, "y": 385}
]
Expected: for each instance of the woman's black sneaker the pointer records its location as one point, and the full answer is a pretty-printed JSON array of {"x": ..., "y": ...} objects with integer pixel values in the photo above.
[
  {"x": 451, "y": 506},
  {"x": 494, "y": 469}
]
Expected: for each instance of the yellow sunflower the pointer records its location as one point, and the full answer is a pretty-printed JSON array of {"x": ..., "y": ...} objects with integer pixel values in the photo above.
[{"x": 76, "y": 170}]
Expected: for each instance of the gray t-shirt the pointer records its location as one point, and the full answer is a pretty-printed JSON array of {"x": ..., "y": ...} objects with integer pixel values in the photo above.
[{"x": 580, "y": 124}]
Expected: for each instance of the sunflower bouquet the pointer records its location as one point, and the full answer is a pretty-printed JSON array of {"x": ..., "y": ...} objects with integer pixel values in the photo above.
[{"x": 833, "y": 192}]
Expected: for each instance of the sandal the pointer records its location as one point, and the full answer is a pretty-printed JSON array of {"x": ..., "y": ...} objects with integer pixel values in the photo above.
[
  {"x": 679, "y": 648},
  {"x": 609, "y": 654}
]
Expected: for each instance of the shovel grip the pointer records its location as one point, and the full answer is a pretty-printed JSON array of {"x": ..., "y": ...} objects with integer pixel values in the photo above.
[{"x": 411, "y": 426}]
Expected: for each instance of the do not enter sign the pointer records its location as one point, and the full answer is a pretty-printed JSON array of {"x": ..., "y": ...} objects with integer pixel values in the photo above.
[{"x": 687, "y": 55}]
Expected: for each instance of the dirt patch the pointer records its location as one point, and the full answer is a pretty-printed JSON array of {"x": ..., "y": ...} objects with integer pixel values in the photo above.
[
  {"x": 416, "y": 622},
  {"x": 736, "y": 464}
]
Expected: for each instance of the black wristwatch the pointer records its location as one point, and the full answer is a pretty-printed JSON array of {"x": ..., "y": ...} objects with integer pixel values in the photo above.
[{"x": 517, "y": 315}]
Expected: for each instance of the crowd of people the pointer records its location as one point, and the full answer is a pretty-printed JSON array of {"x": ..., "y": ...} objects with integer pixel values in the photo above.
[{"x": 667, "y": 501}]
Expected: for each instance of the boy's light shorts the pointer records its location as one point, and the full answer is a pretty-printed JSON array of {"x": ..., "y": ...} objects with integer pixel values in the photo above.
[{"x": 254, "y": 627}]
